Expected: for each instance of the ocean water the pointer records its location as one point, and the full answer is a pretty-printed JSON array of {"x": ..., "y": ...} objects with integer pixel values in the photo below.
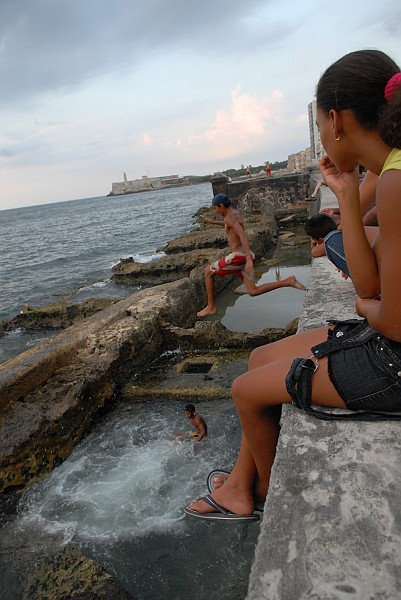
[
  {"x": 119, "y": 497},
  {"x": 66, "y": 250}
]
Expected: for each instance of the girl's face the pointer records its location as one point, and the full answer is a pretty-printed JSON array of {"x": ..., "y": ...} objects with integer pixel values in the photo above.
[{"x": 340, "y": 151}]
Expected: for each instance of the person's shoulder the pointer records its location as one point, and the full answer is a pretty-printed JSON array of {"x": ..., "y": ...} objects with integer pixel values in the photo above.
[{"x": 236, "y": 216}]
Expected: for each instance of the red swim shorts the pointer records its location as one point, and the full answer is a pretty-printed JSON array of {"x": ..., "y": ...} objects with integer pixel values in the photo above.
[{"x": 232, "y": 263}]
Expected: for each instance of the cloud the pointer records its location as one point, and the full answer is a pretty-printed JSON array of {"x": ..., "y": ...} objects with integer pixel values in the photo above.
[
  {"x": 147, "y": 139},
  {"x": 246, "y": 123},
  {"x": 54, "y": 46}
]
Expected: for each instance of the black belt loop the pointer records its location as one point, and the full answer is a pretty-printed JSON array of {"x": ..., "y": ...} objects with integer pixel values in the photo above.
[{"x": 346, "y": 334}]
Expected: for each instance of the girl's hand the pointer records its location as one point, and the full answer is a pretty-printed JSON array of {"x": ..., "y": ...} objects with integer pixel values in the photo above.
[{"x": 341, "y": 184}]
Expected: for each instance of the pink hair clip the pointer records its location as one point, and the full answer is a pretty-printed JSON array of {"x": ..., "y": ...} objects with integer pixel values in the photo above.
[{"x": 391, "y": 86}]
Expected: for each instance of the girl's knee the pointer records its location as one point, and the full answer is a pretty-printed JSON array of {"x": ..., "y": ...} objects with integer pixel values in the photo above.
[
  {"x": 258, "y": 357},
  {"x": 239, "y": 391}
]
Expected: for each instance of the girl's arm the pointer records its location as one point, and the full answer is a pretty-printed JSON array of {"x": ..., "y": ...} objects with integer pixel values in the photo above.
[
  {"x": 361, "y": 259},
  {"x": 385, "y": 315},
  {"x": 367, "y": 190}
]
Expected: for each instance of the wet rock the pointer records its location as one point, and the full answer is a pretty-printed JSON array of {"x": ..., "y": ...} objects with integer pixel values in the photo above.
[
  {"x": 209, "y": 359},
  {"x": 69, "y": 575},
  {"x": 164, "y": 269},
  {"x": 58, "y": 315},
  {"x": 194, "y": 250},
  {"x": 191, "y": 375}
]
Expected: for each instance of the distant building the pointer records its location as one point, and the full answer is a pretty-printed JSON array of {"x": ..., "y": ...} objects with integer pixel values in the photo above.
[
  {"x": 310, "y": 157},
  {"x": 300, "y": 161},
  {"x": 314, "y": 135},
  {"x": 145, "y": 184}
]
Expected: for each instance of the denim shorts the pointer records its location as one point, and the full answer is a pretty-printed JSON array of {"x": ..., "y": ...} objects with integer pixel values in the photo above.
[
  {"x": 334, "y": 246},
  {"x": 367, "y": 376}
]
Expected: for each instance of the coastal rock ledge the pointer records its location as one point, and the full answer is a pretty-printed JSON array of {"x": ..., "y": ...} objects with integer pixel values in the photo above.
[{"x": 51, "y": 394}]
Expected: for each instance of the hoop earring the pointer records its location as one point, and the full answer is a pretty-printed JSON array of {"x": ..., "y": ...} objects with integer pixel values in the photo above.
[{"x": 336, "y": 139}]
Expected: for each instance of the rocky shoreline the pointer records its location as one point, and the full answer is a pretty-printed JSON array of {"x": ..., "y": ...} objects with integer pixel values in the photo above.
[{"x": 103, "y": 337}]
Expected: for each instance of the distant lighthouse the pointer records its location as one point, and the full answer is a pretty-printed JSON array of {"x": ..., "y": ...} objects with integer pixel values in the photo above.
[{"x": 125, "y": 177}]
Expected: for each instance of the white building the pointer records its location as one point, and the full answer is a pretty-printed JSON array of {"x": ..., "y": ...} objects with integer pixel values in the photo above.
[{"x": 317, "y": 150}]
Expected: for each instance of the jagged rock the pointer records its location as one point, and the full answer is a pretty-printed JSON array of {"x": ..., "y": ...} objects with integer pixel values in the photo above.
[
  {"x": 58, "y": 315},
  {"x": 164, "y": 269},
  {"x": 212, "y": 237},
  {"x": 214, "y": 336},
  {"x": 195, "y": 249},
  {"x": 69, "y": 575}
]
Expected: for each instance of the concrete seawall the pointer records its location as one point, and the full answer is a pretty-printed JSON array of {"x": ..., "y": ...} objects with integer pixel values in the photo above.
[{"x": 332, "y": 521}]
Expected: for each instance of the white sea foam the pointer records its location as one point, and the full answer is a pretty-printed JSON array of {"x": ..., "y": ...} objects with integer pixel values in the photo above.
[
  {"x": 130, "y": 477},
  {"x": 14, "y": 333}
]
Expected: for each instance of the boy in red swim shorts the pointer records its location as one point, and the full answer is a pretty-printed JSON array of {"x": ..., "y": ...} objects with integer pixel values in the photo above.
[{"x": 240, "y": 260}]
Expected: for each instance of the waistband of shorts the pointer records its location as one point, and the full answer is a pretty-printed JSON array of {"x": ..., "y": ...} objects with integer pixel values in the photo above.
[{"x": 238, "y": 253}]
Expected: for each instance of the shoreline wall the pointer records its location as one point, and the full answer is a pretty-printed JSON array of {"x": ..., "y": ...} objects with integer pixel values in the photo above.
[
  {"x": 331, "y": 527},
  {"x": 262, "y": 194}
]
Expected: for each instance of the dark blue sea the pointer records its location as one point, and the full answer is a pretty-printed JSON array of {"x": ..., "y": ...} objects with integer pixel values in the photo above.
[{"x": 66, "y": 250}]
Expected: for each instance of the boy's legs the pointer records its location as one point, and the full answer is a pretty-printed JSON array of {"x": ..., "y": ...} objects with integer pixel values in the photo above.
[
  {"x": 227, "y": 265},
  {"x": 234, "y": 264},
  {"x": 210, "y": 308},
  {"x": 256, "y": 290}
]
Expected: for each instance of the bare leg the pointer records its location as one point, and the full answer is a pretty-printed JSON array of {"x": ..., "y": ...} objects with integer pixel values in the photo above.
[
  {"x": 210, "y": 308},
  {"x": 256, "y": 403},
  {"x": 257, "y": 290}
]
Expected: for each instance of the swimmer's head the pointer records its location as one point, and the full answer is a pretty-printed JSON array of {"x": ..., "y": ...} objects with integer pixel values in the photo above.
[{"x": 221, "y": 199}]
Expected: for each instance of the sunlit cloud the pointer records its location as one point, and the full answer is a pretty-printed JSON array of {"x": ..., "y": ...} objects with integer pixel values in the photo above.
[
  {"x": 147, "y": 139},
  {"x": 240, "y": 126}
]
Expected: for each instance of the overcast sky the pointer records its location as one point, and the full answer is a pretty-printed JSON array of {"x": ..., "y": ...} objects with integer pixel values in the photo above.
[{"x": 93, "y": 88}]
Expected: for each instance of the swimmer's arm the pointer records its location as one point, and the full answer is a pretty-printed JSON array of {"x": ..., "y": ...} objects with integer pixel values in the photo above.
[
  {"x": 213, "y": 221},
  {"x": 201, "y": 431}
]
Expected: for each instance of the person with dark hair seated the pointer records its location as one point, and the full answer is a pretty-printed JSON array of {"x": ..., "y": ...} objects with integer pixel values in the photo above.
[
  {"x": 317, "y": 227},
  {"x": 355, "y": 364}
]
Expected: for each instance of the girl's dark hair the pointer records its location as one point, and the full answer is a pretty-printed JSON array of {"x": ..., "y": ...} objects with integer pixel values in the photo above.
[
  {"x": 319, "y": 226},
  {"x": 357, "y": 82}
]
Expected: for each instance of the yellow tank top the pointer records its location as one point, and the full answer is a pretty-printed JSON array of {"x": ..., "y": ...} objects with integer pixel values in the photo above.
[{"x": 393, "y": 161}]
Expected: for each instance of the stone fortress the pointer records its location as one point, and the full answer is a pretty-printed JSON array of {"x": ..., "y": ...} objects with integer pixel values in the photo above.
[{"x": 146, "y": 184}]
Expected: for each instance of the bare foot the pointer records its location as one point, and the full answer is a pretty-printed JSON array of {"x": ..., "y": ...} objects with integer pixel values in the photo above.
[
  {"x": 208, "y": 310},
  {"x": 292, "y": 281}
]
